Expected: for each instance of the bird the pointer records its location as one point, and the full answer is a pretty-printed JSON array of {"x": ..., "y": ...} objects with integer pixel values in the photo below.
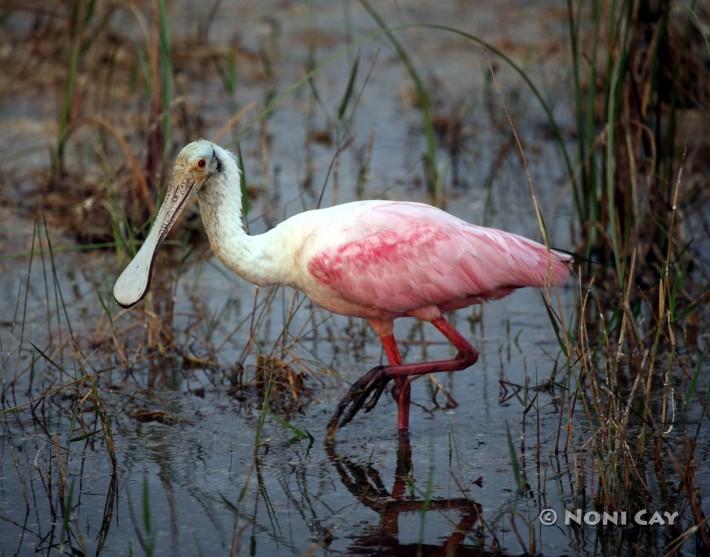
[{"x": 379, "y": 260}]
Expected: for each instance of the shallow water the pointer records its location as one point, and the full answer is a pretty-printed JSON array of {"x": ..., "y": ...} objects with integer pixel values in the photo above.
[
  {"x": 200, "y": 475},
  {"x": 196, "y": 469}
]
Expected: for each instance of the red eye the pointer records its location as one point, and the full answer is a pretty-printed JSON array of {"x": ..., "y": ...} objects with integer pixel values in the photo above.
[{"x": 201, "y": 163}]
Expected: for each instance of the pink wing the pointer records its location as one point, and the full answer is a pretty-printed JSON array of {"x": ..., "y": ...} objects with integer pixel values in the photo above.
[{"x": 399, "y": 257}]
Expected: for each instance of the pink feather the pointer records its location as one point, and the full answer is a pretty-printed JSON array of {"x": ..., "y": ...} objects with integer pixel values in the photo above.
[{"x": 398, "y": 258}]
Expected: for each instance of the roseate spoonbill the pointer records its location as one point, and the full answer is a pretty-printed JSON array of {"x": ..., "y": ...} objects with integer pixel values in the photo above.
[{"x": 378, "y": 260}]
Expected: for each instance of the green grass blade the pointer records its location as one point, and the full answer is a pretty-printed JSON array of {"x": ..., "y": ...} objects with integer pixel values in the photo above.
[
  {"x": 514, "y": 462},
  {"x": 692, "y": 387},
  {"x": 349, "y": 89},
  {"x": 243, "y": 186},
  {"x": 299, "y": 433}
]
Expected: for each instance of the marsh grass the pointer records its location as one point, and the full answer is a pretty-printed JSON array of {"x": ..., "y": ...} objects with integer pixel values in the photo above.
[
  {"x": 629, "y": 356},
  {"x": 86, "y": 415}
]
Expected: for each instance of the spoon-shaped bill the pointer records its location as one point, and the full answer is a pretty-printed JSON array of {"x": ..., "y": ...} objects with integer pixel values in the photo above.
[{"x": 133, "y": 282}]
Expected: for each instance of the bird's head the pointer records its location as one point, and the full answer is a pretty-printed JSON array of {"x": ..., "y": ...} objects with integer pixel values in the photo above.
[{"x": 196, "y": 165}]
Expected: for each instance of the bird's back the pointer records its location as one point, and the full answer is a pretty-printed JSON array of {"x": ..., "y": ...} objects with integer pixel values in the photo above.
[{"x": 397, "y": 257}]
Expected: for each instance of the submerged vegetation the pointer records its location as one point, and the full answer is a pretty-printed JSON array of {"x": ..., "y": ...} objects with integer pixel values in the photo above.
[{"x": 608, "y": 411}]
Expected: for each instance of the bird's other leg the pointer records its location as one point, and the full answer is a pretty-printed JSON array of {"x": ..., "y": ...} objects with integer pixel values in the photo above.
[
  {"x": 466, "y": 352},
  {"x": 467, "y": 355}
]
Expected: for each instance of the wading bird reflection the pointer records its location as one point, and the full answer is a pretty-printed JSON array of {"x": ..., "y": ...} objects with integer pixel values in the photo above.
[
  {"x": 365, "y": 483},
  {"x": 378, "y": 260}
]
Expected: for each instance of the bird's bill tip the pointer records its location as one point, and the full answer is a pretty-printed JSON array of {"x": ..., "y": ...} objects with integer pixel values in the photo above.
[{"x": 132, "y": 284}]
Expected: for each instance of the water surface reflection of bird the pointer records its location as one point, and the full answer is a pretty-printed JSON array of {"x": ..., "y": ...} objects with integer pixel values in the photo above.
[
  {"x": 378, "y": 260},
  {"x": 365, "y": 483}
]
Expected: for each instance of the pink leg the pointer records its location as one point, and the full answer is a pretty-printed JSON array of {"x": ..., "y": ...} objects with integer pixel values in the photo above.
[
  {"x": 466, "y": 357},
  {"x": 365, "y": 392},
  {"x": 402, "y": 387}
]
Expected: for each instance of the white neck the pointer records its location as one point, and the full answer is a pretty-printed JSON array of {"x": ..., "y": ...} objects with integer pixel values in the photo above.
[{"x": 254, "y": 258}]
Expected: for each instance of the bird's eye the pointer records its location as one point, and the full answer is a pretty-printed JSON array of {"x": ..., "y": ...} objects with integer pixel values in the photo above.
[{"x": 201, "y": 163}]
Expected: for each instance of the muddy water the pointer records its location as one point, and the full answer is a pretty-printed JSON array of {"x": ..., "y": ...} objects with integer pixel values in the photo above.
[{"x": 187, "y": 478}]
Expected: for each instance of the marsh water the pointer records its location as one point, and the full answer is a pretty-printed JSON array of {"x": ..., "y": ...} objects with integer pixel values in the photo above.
[{"x": 202, "y": 465}]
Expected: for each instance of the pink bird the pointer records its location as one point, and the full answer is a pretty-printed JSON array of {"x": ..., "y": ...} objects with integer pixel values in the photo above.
[{"x": 379, "y": 260}]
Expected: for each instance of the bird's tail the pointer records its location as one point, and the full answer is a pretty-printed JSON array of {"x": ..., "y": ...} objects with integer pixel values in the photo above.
[
  {"x": 557, "y": 268},
  {"x": 578, "y": 258}
]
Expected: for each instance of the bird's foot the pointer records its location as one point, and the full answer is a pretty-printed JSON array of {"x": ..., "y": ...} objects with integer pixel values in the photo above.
[{"x": 364, "y": 393}]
